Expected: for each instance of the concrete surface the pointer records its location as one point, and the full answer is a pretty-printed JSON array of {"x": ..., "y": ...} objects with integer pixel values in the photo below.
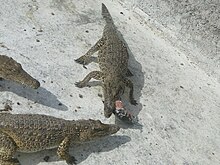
[{"x": 174, "y": 48}]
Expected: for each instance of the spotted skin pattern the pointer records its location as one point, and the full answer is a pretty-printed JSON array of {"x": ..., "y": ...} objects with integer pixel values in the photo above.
[
  {"x": 12, "y": 70},
  {"x": 34, "y": 132},
  {"x": 113, "y": 62}
]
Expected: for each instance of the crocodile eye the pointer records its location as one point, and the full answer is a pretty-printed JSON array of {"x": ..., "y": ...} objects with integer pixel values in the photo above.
[{"x": 98, "y": 129}]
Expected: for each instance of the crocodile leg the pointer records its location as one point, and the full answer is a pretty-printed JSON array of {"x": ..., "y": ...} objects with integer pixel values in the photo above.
[
  {"x": 63, "y": 151},
  {"x": 85, "y": 58},
  {"x": 94, "y": 74},
  {"x": 7, "y": 150},
  {"x": 129, "y": 84}
]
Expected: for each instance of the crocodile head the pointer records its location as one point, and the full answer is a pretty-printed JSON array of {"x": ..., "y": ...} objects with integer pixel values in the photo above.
[
  {"x": 94, "y": 129},
  {"x": 11, "y": 70},
  {"x": 113, "y": 88}
]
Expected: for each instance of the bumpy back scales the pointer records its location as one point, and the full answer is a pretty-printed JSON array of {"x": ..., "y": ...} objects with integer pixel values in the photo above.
[
  {"x": 113, "y": 55},
  {"x": 34, "y": 132}
]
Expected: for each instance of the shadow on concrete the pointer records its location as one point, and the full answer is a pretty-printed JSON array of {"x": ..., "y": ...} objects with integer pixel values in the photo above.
[
  {"x": 103, "y": 145},
  {"x": 80, "y": 151},
  {"x": 40, "y": 95},
  {"x": 131, "y": 125}
]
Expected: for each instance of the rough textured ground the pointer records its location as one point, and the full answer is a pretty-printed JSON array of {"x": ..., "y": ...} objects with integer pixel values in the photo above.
[{"x": 174, "y": 49}]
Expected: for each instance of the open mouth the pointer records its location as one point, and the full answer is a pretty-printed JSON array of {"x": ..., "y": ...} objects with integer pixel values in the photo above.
[{"x": 122, "y": 113}]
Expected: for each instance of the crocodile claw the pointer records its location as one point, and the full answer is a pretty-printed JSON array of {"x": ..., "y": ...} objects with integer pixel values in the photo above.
[
  {"x": 79, "y": 61},
  {"x": 134, "y": 102},
  {"x": 71, "y": 161},
  {"x": 82, "y": 60},
  {"x": 79, "y": 84}
]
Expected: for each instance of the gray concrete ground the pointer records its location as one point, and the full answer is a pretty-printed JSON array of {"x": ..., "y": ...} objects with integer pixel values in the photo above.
[{"x": 175, "y": 58}]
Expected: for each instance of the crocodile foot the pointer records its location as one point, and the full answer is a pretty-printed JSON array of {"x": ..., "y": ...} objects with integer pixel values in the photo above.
[
  {"x": 122, "y": 113},
  {"x": 79, "y": 84},
  {"x": 72, "y": 160},
  {"x": 82, "y": 60}
]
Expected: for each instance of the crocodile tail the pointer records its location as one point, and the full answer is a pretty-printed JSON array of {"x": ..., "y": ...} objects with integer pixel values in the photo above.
[{"x": 106, "y": 15}]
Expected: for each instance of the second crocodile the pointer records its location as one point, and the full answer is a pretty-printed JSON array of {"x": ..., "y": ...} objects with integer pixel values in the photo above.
[
  {"x": 33, "y": 132},
  {"x": 113, "y": 62},
  {"x": 12, "y": 70}
]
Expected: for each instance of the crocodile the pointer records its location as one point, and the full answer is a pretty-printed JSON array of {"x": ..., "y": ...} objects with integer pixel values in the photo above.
[
  {"x": 34, "y": 132},
  {"x": 12, "y": 70},
  {"x": 113, "y": 62}
]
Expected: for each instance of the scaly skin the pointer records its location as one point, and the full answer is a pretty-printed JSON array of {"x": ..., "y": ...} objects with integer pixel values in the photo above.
[
  {"x": 113, "y": 63},
  {"x": 11, "y": 70},
  {"x": 33, "y": 132}
]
